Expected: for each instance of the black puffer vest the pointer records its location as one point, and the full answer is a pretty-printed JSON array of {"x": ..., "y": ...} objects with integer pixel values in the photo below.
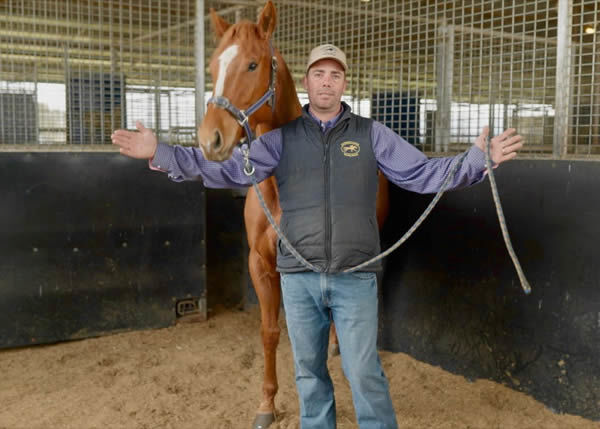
[{"x": 327, "y": 190}]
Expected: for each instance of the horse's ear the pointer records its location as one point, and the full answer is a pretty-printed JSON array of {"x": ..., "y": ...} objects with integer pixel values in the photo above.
[
  {"x": 267, "y": 20},
  {"x": 219, "y": 24}
]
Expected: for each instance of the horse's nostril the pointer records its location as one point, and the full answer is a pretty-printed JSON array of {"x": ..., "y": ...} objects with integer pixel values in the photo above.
[{"x": 218, "y": 142}]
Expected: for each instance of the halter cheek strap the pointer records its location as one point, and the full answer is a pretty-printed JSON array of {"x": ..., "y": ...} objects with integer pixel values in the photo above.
[{"x": 242, "y": 116}]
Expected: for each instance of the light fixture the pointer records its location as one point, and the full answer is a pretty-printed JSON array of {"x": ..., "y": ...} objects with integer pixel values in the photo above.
[
  {"x": 365, "y": 1},
  {"x": 589, "y": 29}
]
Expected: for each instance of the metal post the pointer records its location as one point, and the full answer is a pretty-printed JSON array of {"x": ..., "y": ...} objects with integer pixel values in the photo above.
[
  {"x": 157, "y": 100},
  {"x": 444, "y": 77},
  {"x": 199, "y": 107},
  {"x": 36, "y": 115},
  {"x": 595, "y": 104},
  {"x": 562, "y": 104},
  {"x": 199, "y": 52},
  {"x": 595, "y": 117}
]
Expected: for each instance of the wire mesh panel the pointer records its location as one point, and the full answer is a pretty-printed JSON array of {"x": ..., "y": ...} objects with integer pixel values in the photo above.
[
  {"x": 505, "y": 62},
  {"x": 584, "y": 135},
  {"x": 18, "y": 108},
  {"x": 436, "y": 72},
  {"x": 73, "y": 71}
]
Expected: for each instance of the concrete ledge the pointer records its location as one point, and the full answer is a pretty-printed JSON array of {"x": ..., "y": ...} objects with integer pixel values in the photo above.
[{"x": 58, "y": 148}]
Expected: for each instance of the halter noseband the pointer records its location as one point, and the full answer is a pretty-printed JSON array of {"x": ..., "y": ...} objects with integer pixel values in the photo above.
[{"x": 242, "y": 116}]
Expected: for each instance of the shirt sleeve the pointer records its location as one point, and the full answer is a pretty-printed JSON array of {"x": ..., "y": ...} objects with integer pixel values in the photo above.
[
  {"x": 407, "y": 167},
  {"x": 187, "y": 163}
]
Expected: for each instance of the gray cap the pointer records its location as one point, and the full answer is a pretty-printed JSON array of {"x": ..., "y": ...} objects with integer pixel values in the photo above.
[{"x": 327, "y": 51}]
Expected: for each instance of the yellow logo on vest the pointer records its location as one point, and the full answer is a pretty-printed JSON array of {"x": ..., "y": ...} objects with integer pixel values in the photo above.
[{"x": 350, "y": 148}]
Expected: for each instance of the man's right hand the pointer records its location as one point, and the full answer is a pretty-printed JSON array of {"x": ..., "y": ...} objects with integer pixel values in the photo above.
[{"x": 140, "y": 145}]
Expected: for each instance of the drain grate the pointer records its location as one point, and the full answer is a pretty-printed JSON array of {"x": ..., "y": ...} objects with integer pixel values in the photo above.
[{"x": 187, "y": 306}]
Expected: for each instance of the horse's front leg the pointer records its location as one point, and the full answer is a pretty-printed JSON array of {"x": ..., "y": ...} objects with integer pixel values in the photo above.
[
  {"x": 266, "y": 283},
  {"x": 262, "y": 262}
]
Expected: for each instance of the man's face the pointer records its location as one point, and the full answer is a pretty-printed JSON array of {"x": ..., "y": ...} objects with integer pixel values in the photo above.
[{"x": 325, "y": 83}]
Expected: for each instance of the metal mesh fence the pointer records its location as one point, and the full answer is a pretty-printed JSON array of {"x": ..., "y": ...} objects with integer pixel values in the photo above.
[
  {"x": 584, "y": 132},
  {"x": 73, "y": 71},
  {"x": 436, "y": 72}
]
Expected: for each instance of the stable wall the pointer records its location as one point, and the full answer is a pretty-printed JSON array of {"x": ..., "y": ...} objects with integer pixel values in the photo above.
[
  {"x": 451, "y": 297},
  {"x": 92, "y": 243}
]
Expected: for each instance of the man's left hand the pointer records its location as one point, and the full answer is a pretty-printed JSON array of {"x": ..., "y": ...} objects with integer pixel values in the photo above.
[{"x": 503, "y": 147}]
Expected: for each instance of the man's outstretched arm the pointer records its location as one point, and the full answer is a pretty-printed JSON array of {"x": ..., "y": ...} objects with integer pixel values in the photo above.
[
  {"x": 187, "y": 163},
  {"x": 409, "y": 168}
]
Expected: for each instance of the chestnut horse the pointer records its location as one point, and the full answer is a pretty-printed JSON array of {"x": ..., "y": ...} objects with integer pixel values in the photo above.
[{"x": 242, "y": 72}]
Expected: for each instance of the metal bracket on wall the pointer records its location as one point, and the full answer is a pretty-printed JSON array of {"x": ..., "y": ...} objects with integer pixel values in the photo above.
[{"x": 190, "y": 309}]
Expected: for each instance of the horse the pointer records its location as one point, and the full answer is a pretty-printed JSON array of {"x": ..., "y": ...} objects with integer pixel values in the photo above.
[{"x": 245, "y": 67}]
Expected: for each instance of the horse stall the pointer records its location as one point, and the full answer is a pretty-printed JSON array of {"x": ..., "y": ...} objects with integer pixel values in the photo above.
[
  {"x": 91, "y": 242},
  {"x": 94, "y": 243}
]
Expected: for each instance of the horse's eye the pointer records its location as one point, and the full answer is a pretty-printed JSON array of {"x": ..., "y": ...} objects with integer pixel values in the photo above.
[{"x": 252, "y": 66}]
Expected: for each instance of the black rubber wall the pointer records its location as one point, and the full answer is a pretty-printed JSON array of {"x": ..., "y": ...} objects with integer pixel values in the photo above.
[
  {"x": 92, "y": 243},
  {"x": 451, "y": 297}
]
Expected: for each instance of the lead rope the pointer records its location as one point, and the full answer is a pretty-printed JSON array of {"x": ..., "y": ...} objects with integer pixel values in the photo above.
[
  {"x": 418, "y": 222},
  {"x": 249, "y": 171},
  {"x": 488, "y": 163}
]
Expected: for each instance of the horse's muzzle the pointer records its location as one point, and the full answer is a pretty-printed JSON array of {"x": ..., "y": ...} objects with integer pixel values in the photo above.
[{"x": 213, "y": 147}]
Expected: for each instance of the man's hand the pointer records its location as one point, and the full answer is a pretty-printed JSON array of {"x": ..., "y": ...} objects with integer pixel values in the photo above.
[
  {"x": 140, "y": 145},
  {"x": 503, "y": 147}
]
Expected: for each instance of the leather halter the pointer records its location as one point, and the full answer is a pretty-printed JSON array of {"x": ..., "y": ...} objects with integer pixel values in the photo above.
[{"x": 242, "y": 116}]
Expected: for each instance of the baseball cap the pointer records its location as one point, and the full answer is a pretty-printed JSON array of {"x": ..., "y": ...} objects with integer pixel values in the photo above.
[{"x": 327, "y": 51}]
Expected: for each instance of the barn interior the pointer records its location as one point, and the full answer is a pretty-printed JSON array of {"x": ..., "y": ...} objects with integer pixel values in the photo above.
[{"x": 84, "y": 225}]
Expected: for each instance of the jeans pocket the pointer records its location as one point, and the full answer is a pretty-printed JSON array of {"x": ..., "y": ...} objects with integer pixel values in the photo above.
[{"x": 362, "y": 275}]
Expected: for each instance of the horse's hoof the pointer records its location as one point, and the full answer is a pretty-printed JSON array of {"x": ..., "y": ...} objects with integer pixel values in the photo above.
[
  {"x": 263, "y": 421},
  {"x": 334, "y": 350}
]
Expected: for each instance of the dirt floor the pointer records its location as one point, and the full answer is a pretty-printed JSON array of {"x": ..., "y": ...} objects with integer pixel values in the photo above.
[{"x": 208, "y": 375}]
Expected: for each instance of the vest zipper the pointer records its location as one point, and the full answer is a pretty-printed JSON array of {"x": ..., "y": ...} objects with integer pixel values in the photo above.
[
  {"x": 327, "y": 205},
  {"x": 327, "y": 137}
]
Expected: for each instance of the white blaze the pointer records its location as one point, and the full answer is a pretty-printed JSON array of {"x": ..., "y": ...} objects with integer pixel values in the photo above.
[{"x": 224, "y": 60}]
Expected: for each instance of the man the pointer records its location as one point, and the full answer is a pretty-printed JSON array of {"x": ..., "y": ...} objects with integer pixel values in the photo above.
[{"x": 326, "y": 163}]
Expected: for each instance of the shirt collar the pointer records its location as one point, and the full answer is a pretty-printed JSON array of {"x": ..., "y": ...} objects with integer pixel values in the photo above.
[{"x": 329, "y": 124}]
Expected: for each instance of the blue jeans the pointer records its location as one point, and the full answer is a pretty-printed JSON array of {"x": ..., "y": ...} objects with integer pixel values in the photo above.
[{"x": 310, "y": 299}]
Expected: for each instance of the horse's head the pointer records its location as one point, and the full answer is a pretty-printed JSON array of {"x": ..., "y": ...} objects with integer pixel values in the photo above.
[{"x": 241, "y": 70}]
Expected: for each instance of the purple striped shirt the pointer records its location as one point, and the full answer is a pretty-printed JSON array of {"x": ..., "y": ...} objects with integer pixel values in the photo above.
[{"x": 402, "y": 163}]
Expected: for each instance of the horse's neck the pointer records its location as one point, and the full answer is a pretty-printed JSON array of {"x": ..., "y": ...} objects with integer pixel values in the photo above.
[{"x": 287, "y": 106}]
